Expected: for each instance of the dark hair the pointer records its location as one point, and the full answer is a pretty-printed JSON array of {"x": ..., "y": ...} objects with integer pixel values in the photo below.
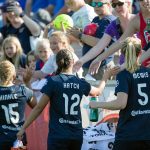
[
  {"x": 64, "y": 59},
  {"x": 31, "y": 53}
]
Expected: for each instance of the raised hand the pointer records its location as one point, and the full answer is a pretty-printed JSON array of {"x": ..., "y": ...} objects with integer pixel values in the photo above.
[
  {"x": 15, "y": 8},
  {"x": 27, "y": 75},
  {"x": 74, "y": 32},
  {"x": 93, "y": 69},
  {"x": 111, "y": 72}
]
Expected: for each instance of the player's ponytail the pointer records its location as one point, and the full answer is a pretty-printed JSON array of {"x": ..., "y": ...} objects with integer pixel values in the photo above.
[
  {"x": 7, "y": 72},
  {"x": 131, "y": 49},
  {"x": 64, "y": 59}
]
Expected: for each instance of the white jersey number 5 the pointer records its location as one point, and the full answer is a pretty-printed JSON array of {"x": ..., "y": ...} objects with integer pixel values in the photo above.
[{"x": 144, "y": 100}]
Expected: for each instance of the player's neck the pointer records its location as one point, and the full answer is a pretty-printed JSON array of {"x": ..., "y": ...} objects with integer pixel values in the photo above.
[
  {"x": 69, "y": 72},
  {"x": 6, "y": 85}
]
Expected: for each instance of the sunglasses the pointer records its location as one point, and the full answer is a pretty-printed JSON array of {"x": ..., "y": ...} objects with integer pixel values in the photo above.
[
  {"x": 98, "y": 4},
  {"x": 114, "y": 5}
]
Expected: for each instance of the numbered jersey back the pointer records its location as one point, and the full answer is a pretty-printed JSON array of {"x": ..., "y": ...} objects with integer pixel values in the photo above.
[
  {"x": 12, "y": 105},
  {"x": 65, "y": 93},
  {"x": 135, "y": 117}
]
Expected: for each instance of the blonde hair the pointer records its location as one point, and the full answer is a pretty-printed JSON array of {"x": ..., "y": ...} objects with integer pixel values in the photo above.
[
  {"x": 42, "y": 42},
  {"x": 16, "y": 59},
  {"x": 131, "y": 49},
  {"x": 61, "y": 36},
  {"x": 130, "y": 7},
  {"x": 7, "y": 72}
]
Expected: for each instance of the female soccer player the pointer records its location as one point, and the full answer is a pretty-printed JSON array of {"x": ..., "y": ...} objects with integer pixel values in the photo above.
[
  {"x": 133, "y": 95},
  {"x": 13, "y": 100},
  {"x": 64, "y": 91}
]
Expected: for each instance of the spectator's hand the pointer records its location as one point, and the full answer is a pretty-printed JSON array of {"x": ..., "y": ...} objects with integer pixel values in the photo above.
[
  {"x": 111, "y": 72},
  {"x": 20, "y": 134},
  {"x": 77, "y": 66},
  {"x": 15, "y": 8},
  {"x": 27, "y": 75},
  {"x": 93, "y": 69},
  {"x": 18, "y": 80},
  {"x": 21, "y": 71},
  {"x": 74, "y": 32}
]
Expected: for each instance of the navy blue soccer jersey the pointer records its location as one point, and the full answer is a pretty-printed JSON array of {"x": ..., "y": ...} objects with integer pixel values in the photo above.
[
  {"x": 134, "y": 121},
  {"x": 65, "y": 93},
  {"x": 12, "y": 107}
]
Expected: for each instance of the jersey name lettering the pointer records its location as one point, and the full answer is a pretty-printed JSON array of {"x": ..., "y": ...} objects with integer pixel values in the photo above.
[
  {"x": 140, "y": 75},
  {"x": 8, "y": 97},
  {"x": 71, "y": 85}
]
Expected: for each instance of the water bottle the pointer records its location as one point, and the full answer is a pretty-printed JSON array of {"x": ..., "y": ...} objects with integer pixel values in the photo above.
[{"x": 93, "y": 111}]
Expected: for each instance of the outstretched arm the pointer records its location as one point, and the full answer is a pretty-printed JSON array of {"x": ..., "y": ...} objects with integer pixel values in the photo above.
[
  {"x": 34, "y": 114},
  {"x": 87, "y": 39},
  {"x": 99, "y": 90},
  {"x": 133, "y": 28},
  {"x": 119, "y": 103},
  {"x": 97, "y": 49}
]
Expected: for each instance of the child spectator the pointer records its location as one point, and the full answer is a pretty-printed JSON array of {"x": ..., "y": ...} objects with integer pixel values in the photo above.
[
  {"x": 43, "y": 52},
  {"x": 12, "y": 51}
]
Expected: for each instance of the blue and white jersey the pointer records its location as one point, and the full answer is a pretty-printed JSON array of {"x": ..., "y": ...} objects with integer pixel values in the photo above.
[
  {"x": 65, "y": 93},
  {"x": 134, "y": 121},
  {"x": 12, "y": 107}
]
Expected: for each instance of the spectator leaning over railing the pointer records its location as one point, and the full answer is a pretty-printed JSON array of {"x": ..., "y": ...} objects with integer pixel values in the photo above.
[
  {"x": 115, "y": 29},
  {"x": 137, "y": 24},
  {"x": 100, "y": 22}
]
